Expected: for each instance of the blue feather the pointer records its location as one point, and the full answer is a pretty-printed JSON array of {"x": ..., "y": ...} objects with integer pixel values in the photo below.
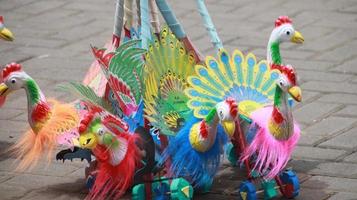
[{"x": 198, "y": 167}]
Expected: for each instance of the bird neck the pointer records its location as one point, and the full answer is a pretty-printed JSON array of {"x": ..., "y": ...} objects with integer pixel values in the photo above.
[
  {"x": 281, "y": 121},
  {"x": 38, "y": 108},
  {"x": 273, "y": 50}
]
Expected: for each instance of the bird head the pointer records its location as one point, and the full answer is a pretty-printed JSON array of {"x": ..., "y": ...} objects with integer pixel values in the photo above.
[
  {"x": 227, "y": 111},
  {"x": 288, "y": 82},
  {"x": 284, "y": 31},
  {"x": 5, "y": 33},
  {"x": 96, "y": 129},
  {"x": 13, "y": 78}
]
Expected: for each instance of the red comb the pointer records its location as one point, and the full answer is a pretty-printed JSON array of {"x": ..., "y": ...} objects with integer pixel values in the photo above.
[
  {"x": 1, "y": 19},
  {"x": 283, "y": 20},
  {"x": 233, "y": 107},
  {"x": 288, "y": 70},
  {"x": 85, "y": 122},
  {"x": 9, "y": 68}
]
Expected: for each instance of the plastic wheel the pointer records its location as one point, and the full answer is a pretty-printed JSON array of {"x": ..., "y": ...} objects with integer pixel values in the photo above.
[
  {"x": 247, "y": 191},
  {"x": 138, "y": 192},
  {"x": 181, "y": 189},
  {"x": 291, "y": 184},
  {"x": 161, "y": 190},
  {"x": 231, "y": 154}
]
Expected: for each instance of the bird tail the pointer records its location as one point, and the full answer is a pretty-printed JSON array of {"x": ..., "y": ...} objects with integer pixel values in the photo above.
[{"x": 31, "y": 146}]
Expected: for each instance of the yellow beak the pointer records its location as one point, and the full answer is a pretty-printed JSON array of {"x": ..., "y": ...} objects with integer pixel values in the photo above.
[
  {"x": 88, "y": 141},
  {"x": 4, "y": 90},
  {"x": 297, "y": 38},
  {"x": 229, "y": 127},
  {"x": 295, "y": 92},
  {"x": 6, "y": 34}
]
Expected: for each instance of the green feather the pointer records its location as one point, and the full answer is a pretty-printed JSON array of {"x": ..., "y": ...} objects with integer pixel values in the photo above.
[
  {"x": 275, "y": 53},
  {"x": 210, "y": 116},
  {"x": 33, "y": 91},
  {"x": 87, "y": 94}
]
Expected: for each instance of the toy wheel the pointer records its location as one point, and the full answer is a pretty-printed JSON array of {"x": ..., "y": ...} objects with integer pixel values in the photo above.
[
  {"x": 247, "y": 191},
  {"x": 138, "y": 192},
  {"x": 161, "y": 190},
  {"x": 291, "y": 184},
  {"x": 181, "y": 189},
  {"x": 231, "y": 154}
]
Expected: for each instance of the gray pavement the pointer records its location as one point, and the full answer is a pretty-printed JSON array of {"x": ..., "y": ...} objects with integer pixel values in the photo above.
[{"x": 52, "y": 43}]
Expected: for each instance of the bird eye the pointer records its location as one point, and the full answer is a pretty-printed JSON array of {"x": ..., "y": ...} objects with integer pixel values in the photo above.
[
  {"x": 287, "y": 32},
  {"x": 13, "y": 81},
  {"x": 281, "y": 83},
  {"x": 100, "y": 131},
  {"x": 221, "y": 113}
]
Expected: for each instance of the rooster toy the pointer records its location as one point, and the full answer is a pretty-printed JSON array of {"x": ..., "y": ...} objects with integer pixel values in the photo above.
[
  {"x": 48, "y": 119},
  {"x": 116, "y": 152}
]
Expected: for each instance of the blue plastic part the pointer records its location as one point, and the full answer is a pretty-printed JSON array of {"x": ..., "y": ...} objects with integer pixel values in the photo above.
[
  {"x": 170, "y": 19},
  {"x": 231, "y": 154},
  {"x": 291, "y": 182},
  {"x": 161, "y": 191},
  {"x": 269, "y": 189},
  {"x": 90, "y": 182},
  {"x": 247, "y": 191}
]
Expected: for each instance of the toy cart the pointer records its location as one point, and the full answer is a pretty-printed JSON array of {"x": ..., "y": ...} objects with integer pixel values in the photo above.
[{"x": 287, "y": 182}]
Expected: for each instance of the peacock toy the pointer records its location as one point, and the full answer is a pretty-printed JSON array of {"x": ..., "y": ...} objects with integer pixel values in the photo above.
[
  {"x": 116, "y": 152},
  {"x": 266, "y": 133},
  {"x": 194, "y": 145},
  {"x": 48, "y": 119}
]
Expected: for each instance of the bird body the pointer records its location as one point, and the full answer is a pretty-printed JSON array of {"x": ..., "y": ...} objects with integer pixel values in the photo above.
[
  {"x": 48, "y": 119},
  {"x": 116, "y": 152}
]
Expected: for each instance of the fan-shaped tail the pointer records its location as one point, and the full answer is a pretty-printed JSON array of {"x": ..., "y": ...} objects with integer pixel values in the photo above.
[{"x": 249, "y": 82}]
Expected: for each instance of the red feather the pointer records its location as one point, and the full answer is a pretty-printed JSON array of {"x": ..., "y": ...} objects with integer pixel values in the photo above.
[
  {"x": 1, "y": 19},
  {"x": 113, "y": 181},
  {"x": 277, "y": 116},
  {"x": 203, "y": 129},
  {"x": 119, "y": 87},
  {"x": 40, "y": 112}
]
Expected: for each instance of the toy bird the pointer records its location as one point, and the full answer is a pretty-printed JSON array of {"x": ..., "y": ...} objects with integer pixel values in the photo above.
[
  {"x": 283, "y": 32},
  {"x": 196, "y": 149},
  {"x": 253, "y": 86},
  {"x": 5, "y": 33},
  {"x": 47, "y": 118},
  {"x": 116, "y": 152},
  {"x": 194, "y": 145},
  {"x": 274, "y": 132}
]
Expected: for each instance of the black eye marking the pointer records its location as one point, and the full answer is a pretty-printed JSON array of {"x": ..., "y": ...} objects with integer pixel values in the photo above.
[
  {"x": 13, "y": 81},
  {"x": 287, "y": 32}
]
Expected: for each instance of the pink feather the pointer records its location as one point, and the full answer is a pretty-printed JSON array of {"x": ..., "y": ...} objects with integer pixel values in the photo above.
[{"x": 271, "y": 154}]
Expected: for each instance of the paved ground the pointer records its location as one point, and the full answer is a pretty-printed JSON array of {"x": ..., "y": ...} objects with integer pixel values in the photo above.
[{"x": 52, "y": 43}]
